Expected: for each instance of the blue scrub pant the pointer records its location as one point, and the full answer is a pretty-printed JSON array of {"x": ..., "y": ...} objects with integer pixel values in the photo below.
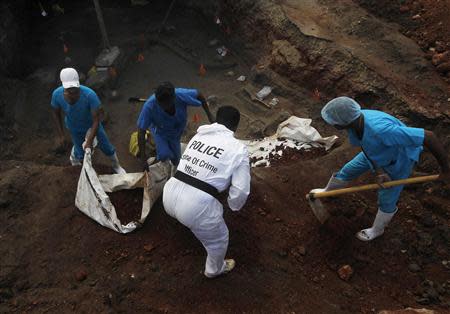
[
  {"x": 387, "y": 198},
  {"x": 103, "y": 142},
  {"x": 167, "y": 149}
]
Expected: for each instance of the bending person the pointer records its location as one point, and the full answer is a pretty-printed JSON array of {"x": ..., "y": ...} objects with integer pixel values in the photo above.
[
  {"x": 212, "y": 161},
  {"x": 81, "y": 106},
  {"x": 390, "y": 149},
  {"x": 165, "y": 114}
]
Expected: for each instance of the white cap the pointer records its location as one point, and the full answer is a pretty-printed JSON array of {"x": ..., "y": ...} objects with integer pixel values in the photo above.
[{"x": 69, "y": 78}]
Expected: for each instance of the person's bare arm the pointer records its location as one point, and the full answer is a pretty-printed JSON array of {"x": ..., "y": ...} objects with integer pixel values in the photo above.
[
  {"x": 432, "y": 143},
  {"x": 59, "y": 124},
  {"x": 205, "y": 106},
  {"x": 94, "y": 128}
]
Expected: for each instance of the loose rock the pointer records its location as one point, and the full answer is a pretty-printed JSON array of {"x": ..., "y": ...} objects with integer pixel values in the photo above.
[
  {"x": 81, "y": 275},
  {"x": 413, "y": 267},
  {"x": 439, "y": 58},
  {"x": 302, "y": 250},
  {"x": 345, "y": 272}
]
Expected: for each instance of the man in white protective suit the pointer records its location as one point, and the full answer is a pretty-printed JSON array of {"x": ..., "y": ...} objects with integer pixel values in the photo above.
[{"x": 213, "y": 161}]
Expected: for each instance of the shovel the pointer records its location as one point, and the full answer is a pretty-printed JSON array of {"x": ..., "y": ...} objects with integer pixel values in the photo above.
[{"x": 322, "y": 214}]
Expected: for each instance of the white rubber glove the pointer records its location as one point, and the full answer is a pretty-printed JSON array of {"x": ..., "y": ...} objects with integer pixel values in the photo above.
[{"x": 333, "y": 184}]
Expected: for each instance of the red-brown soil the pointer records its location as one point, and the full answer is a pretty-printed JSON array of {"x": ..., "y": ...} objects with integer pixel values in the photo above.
[
  {"x": 285, "y": 260},
  {"x": 128, "y": 204},
  {"x": 54, "y": 259},
  {"x": 425, "y": 21}
]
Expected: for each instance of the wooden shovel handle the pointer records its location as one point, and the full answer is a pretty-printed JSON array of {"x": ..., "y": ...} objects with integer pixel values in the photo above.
[{"x": 373, "y": 186}]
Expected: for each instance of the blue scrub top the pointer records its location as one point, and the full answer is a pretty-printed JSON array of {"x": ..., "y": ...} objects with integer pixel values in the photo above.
[
  {"x": 79, "y": 115},
  {"x": 153, "y": 117},
  {"x": 388, "y": 142}
]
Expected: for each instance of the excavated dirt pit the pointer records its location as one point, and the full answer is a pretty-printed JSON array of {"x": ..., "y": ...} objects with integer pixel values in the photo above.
[{"x": 57, "y": 260}]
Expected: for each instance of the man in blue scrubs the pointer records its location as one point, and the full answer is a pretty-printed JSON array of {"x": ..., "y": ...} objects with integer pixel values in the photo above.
[
  {"x": 165, "y": 114},
  {"x": 390, "y": 149},
  {"x": 80, "y": 105}
]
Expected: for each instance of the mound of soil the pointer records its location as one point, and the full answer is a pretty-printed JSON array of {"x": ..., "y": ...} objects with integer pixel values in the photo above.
[
  {"x": 425, "y": 21},
  {"x": 128, "y": 204}
]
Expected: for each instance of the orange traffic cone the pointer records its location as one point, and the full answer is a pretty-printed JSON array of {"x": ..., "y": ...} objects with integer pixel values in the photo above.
[
  {"x": 202, "y": 70},
  {"x": 140, "y": 57}
]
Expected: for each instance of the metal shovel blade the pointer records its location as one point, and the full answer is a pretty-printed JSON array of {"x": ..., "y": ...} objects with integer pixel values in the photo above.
[{"x": 317, "y": 207}]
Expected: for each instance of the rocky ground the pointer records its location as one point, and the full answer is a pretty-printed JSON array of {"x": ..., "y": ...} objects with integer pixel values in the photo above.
[
  {"x": 424, "y": 21},
  {"x": 55, "y": 259}
]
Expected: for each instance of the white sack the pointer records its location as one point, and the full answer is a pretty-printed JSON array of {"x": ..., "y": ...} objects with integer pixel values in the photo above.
[
  {"x": 295, "y": 133},
  {"x": 93, "y": 201}
]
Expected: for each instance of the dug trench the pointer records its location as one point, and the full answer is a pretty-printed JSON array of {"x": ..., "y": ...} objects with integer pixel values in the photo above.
[
  {"x": 286, "y": 260},
  {"x": 55, "y": 259}
]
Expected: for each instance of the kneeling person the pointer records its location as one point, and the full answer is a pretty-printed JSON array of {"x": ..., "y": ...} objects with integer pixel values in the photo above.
[{"x": 212, "y": 161}]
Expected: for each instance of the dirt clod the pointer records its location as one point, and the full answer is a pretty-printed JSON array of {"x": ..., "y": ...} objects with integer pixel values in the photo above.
[
  {"x": 345, "y": 272},
  {"x": 81, "y": 275},
  {"x": 149, "y": 247}
]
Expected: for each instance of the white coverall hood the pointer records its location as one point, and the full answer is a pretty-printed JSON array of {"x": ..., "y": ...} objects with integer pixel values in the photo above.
[{"x": 213, "y": 128}]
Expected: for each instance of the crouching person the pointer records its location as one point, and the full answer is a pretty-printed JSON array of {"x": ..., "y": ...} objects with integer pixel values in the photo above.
[
  {"x": 390, "y": 149},
  {"x": 80, "y": 105},
  {"x": 213, "y": 161}
]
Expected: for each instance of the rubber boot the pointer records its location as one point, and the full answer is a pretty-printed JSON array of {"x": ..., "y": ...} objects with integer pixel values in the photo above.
[
  {"x": 116, "y": 165},
  {"x": 381, "y": 221},
  {"x": 73, "y": 160}
]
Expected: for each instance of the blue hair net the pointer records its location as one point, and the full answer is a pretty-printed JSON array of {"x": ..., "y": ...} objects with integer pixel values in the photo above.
[{"x": 341, "y": 111}]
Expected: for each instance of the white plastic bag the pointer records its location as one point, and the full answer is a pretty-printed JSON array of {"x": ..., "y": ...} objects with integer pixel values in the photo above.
[
  {"x": 93, "y": 201},
  {"x": 295, "y": 133},
  {"x": 264, "y": 92}
]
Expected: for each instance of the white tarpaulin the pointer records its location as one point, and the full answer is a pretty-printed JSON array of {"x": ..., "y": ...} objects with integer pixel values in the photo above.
[
  {"x": 294, "y": 133},
  {"x": 93, "y": 201}
]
